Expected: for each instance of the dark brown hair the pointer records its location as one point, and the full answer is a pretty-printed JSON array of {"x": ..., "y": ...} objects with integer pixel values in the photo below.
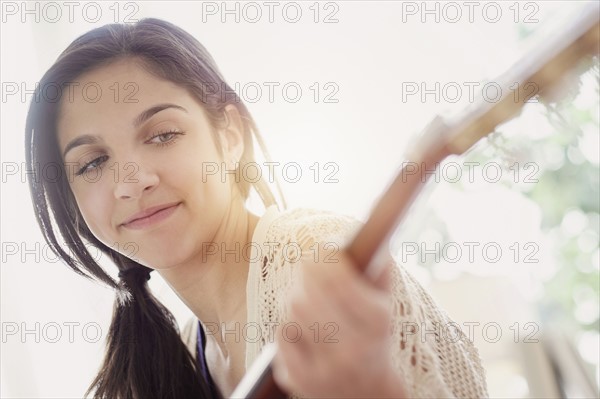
[{"x": 145, "y": 357}]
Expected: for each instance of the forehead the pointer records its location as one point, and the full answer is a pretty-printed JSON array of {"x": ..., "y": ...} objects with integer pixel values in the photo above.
[{"x": 111, "y": 96}]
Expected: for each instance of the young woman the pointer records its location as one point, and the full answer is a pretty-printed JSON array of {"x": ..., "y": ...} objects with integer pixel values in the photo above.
[{"x": 152, "y": 167}]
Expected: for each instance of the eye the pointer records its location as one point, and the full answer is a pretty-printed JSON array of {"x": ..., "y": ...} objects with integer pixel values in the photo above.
[
  {"x": 88, "y": 166},
  {"x": 166, "y": 138}
]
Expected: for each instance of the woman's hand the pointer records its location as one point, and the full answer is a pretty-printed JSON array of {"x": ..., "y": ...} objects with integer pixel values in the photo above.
[{"x": 344, "y": 322}]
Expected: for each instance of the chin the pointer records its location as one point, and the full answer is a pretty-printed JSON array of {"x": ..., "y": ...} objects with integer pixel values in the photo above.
[{"x": 162, "y": 262}]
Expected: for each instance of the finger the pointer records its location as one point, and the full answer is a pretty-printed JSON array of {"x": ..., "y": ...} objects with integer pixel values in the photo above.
[
  {"x": 280, "y": 371},
  {"x": 290, "y": 365},
  {"x": 312, "y": 308},
  {"x": 348, "y": 293},
  {"x": 326, "y": 288}
]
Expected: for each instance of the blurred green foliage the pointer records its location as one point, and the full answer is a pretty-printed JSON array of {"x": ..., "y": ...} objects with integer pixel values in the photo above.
[
  {"x": 572, "y": 188},
  {"x": 567, "y": 192}
]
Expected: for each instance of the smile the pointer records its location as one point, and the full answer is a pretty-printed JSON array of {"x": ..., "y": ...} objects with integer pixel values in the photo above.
[{"x": 151, "y": 220}]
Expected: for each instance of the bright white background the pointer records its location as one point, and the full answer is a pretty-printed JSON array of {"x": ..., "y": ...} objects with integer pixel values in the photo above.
[{"x": 369, "y": 53}]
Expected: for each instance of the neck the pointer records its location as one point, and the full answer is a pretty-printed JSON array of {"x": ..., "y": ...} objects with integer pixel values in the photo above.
[{"x": 213, "y": 284}]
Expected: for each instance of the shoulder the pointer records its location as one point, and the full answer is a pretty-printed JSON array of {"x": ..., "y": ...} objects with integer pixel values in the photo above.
[
  {"x": 295, "y": 216},
  {"x": 281, "y": 238},
  {"x": 305, "y": 226},
  {"x": 283, "y": 242}
]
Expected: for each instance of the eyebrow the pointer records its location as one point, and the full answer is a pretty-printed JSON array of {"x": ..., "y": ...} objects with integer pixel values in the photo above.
[{"x": 141, "y": 118}]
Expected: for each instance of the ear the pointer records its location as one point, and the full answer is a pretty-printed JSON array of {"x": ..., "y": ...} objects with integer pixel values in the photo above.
[{"x": 232, "y": 135}]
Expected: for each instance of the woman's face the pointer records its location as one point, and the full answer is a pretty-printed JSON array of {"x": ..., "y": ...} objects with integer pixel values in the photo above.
[{"x": 142, "y": 143}]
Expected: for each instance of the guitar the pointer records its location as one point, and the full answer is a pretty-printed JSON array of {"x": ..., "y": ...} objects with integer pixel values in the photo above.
[{"x": 544, "y": 68}]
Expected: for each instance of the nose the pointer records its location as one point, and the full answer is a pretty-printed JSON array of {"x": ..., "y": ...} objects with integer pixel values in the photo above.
[{"x": 132, "y": 180}]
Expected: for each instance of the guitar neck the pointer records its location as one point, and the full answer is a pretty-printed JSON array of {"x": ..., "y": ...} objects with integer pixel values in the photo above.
[{"x": 541, "y": 70}]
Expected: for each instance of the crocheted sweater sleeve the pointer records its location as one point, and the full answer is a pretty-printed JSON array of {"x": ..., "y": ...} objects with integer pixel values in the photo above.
[{"x": 436, "y": 360}]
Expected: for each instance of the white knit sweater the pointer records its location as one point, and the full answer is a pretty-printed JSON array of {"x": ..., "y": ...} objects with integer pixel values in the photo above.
[{"x": 436, "y": 359}]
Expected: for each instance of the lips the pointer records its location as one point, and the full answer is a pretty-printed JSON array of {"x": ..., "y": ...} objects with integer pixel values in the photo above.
[{"x": 148, "y": 212}]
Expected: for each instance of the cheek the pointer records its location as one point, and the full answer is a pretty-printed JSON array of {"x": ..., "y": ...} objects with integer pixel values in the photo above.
[
  {"x": 195, "y": 169},
  {"x": 95, "y": 210}
]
